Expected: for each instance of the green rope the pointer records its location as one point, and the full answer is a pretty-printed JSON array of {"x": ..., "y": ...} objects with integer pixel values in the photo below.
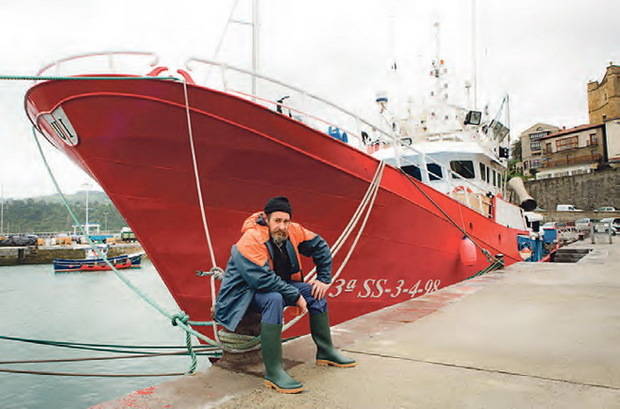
[
  {"x": 180, "y": 319},
  {"x": 124, "y": 349},
  {"x": 53, "y": 78},
  {"x": 101, "y": 358},
  {"x": 491, "y": 267},
  {"x": 234, "y": 342},
  {"x": 184, "y": 318}
]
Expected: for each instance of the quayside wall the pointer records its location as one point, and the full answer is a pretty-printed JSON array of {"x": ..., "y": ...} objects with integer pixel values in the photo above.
[{"x": 588, "y": 191}]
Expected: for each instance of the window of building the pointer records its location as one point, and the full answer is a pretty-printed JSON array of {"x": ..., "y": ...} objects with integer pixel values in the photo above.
[
  {"x": 538, "y": 135},
  {"x": 593, "y": 140},
  {"x": 535, "y": 145},
  {"x": 548, "y": 147},
  {"x": 434, "y": 171},
  {"x": 535, "y": 163},
  {"x": 465, "y": 168},
  {"x": 567, "y": 143},
  {"x": 413, "y": 170},
  {"x": 483, "y": 171}
]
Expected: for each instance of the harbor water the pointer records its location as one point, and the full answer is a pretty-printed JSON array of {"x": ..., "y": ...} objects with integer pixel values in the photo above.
[{"x": 93, "y": 307}]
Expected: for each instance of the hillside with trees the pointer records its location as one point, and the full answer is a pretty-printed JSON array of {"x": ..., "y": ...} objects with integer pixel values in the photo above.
[{"x": 48, "y": 214}]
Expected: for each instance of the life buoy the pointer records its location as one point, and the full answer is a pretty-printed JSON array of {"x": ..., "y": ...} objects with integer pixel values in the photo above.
[{"x": 461, "y": 188}]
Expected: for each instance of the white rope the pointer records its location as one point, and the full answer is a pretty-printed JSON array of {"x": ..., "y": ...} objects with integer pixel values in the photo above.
[
  {"x": 367, "y": 204},
  {"x": 369, "y": 198},
  {"x": 201, "y": 202},
  {"x": 355, "y": 218}
]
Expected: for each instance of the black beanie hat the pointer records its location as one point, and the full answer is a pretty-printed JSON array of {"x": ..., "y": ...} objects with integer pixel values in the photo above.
[{"x": 278, "y": 204}]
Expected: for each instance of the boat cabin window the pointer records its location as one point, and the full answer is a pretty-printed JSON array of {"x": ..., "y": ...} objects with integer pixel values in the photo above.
[
  {"x": 465, "y": 168},
  {"x": 483, "y": 171},
  {"x": 413, "y": 170},
  {"x": 434, "y": 171},
  {"x": 494, "y": 178}
]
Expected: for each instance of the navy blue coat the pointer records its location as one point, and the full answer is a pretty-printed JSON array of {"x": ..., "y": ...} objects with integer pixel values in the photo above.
[{"x": 250, "y": 268}]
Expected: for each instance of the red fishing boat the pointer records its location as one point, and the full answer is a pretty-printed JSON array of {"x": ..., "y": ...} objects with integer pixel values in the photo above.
[{"x": 160, "y": 147}]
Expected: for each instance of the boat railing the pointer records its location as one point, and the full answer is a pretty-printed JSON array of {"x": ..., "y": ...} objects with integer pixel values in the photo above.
[
  {"x": 279, "y": 104},
  {"x": 355, "y": 131},
  {"x": 113, "y": 58}
]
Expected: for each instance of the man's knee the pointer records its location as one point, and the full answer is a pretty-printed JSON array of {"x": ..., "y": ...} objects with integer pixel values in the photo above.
[
  {"x": 305, "y": 289},
  {"x": 273, "y": 300},
  {"x": 314, "y": 306}
]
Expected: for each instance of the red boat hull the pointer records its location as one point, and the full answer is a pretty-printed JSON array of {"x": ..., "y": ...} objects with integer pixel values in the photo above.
[{"x": 133, "y": 140}]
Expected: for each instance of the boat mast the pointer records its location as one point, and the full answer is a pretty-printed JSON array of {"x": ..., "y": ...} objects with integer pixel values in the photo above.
[
  {"x": 86, "y": 226},
  {"x": 255, "y": 38},
  {"x": 1, "y": 209},
  {"x": 255, "y": 32},
  {"x": 509, "y": 144},
  {"x": 474, "y": 60}
]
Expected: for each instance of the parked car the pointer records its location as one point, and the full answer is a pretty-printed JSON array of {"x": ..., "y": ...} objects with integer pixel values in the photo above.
[
  {"x": 567, "y": 208},
  {"x": 615, "y": 224},
  {"x": 606, "y": 209},
  {"x": 584, "y": 224}
]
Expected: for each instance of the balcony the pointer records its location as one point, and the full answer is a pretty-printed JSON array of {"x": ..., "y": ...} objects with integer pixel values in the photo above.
[{"x": 556, "y": 162}]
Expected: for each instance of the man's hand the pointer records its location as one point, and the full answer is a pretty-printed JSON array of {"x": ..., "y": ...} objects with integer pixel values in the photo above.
[
  {"x": 301, "y": 303},
  {"x": 319, "y": 289}
]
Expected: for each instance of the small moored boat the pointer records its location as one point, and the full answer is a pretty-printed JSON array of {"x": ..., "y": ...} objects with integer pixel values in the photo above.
[{"x": 98, "y": 264}]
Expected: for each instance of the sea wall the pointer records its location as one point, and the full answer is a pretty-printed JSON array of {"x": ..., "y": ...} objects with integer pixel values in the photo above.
[{"x": 588, "y": 191}]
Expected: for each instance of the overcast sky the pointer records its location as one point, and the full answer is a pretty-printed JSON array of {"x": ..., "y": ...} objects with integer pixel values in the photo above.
[{"x": 542, "y": 53}]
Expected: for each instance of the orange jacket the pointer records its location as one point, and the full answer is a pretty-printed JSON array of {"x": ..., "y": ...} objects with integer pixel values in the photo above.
[{"x": 250, "y": 268}]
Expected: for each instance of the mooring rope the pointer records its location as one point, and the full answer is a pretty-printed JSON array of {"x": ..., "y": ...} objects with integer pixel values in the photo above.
[
  {"x": 179, "y": 319},
  {"x": 372, "y": 188},
  {"x": 101, "y": 358},
  {"x": 121, "y": 349},
  {"x": 202, "y": 207},
  {"x": 105, "y": 375},
  {"x": 366, "y": 204},
  {"x": 490, "y": 258}
]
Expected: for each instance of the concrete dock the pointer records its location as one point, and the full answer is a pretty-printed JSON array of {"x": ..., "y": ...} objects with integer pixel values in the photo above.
[{"x": 544, "y": 335}]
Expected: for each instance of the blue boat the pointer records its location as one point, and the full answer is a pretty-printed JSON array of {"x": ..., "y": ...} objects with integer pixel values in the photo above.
[{"x": 98, "y": 264}]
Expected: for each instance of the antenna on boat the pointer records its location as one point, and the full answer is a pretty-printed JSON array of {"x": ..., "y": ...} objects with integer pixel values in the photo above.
[
  {"x": 474, "y": 60},
  {"x": 392, "y": 37},
  {"x": 255, "y": 38},
  {"x": 86, "y": 225},
  {"x": 1, "y": 209}
]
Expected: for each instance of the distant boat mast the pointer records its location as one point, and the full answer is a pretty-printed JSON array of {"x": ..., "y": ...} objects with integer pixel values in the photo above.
[
  {"x": 1, "y": 209},
  {"x": 474, "y": 59}
]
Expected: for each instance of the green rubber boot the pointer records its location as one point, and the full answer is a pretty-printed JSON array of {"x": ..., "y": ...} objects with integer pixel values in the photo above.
[
  {"x": 326, "y": 354},
  {"x": 275, "y": 376}
]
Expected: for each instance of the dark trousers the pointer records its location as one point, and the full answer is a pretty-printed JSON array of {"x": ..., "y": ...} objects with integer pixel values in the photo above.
[{"x": 271, "y": 305}]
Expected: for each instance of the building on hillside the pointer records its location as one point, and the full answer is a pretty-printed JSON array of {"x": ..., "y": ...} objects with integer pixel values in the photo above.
[
  {"x": 573, "y": 151},
  {"x": 612, "y": 138},
  {"x": 531, "y": 149},
  {"x": 604, "y": 96}
]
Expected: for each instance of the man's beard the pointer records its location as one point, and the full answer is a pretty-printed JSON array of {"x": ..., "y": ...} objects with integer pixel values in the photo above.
[{"x": 279, "y": 237}]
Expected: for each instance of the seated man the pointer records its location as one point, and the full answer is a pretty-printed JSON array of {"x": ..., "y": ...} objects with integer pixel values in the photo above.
[{"x": 261, "y": 275}]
